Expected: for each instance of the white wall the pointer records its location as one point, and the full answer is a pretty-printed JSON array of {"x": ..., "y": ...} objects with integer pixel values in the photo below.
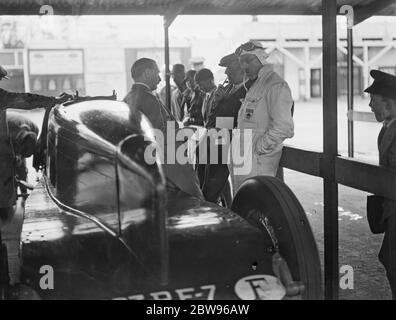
[
  {"x": 388, "y": 59},
  {"x": 105, "y": 71}
]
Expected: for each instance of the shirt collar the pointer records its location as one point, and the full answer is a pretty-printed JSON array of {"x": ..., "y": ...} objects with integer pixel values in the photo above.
[
  {"x": 265, "y": 70},
  {"x": 388, "y": 123},
  {"x": 144, "y": 85}
]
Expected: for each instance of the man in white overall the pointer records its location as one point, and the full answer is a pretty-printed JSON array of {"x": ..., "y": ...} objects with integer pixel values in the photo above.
[{"x": 264, "y": 119}]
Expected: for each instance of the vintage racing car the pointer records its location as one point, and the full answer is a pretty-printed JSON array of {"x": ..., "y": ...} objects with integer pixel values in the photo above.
[{"x": 101, "y": 224}]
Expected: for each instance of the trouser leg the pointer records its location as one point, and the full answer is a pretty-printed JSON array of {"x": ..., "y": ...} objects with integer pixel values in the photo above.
[
  {"x": 387, "y": 255},
  {"x": 6, "y": 215},
  {"x": 216, "y": 176},
  {"x": 200, "y": 164},
  {"x": 216, "y": 173}
]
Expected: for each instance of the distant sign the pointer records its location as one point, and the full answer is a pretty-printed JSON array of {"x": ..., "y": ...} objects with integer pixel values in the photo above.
[{"x": 47, "y": 62}]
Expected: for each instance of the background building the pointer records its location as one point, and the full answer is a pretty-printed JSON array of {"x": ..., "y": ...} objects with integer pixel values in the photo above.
[{"x": 51, "y": 54}]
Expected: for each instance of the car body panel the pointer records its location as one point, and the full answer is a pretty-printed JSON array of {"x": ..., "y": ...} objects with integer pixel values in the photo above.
[{"x": 208, "y": 246}]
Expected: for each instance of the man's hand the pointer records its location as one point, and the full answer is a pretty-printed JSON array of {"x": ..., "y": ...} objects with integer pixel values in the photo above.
[{"x": 63, "y": 97}]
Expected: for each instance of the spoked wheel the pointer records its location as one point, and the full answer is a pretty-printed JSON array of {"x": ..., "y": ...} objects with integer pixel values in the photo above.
[{"x": 270, "y": 205}]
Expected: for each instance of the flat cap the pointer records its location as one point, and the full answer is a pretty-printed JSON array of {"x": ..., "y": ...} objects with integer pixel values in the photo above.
[
  {"x": 228, "y": 60},
  {"x": 384, "y": 84}
]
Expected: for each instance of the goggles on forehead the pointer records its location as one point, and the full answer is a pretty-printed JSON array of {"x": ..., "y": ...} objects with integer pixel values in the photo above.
[{"x": 247, "y": 46}]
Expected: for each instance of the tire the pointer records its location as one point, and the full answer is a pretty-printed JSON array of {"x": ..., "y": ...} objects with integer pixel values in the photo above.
[{"x": 274, "y": 199}]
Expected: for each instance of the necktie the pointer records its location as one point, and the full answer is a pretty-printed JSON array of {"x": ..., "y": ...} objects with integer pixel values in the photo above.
[{"x": 229, "y": 90}]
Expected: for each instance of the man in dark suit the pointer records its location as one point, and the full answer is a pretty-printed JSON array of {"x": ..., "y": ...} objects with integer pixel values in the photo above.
[
  {"x": 145, "y": 74},
  {"x": 192, "y": 101},
  {"x": 383, "y": 104},
  {"x": 205, "y": 80},
  {"x": 227, "y": 102}
]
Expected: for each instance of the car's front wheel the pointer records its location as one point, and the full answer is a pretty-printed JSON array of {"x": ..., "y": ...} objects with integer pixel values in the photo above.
[{"x": 269, "y": 204}]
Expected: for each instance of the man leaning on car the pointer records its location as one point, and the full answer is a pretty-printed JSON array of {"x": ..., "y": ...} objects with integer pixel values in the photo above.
[{"x": 25, "y": 101}]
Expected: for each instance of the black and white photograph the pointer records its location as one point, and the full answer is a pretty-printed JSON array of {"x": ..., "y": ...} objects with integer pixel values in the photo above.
[{"x": 227, "y": 150}]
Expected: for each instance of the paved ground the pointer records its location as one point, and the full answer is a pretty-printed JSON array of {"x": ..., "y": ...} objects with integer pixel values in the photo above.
[{"x": 358, "y": 247}]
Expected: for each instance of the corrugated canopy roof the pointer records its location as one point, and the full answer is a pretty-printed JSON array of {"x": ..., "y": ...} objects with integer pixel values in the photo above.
[{"x": 251, "y": 7}]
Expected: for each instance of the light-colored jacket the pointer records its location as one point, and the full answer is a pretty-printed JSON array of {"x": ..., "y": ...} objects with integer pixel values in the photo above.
[{"x": 266, "y": 113}]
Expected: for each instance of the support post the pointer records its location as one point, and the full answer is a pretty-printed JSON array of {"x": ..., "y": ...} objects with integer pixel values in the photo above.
[
  {"x": 169, "y": 16},
  {"x": 167, "y": 70},
  {"x": 330, "y": 187},
  {"x": 25, "y": 63},
  {"x": 350, "y": 92}
]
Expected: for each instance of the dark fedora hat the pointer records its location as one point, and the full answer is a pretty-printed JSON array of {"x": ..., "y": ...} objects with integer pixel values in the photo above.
[{"x": 384, "y": 84}]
